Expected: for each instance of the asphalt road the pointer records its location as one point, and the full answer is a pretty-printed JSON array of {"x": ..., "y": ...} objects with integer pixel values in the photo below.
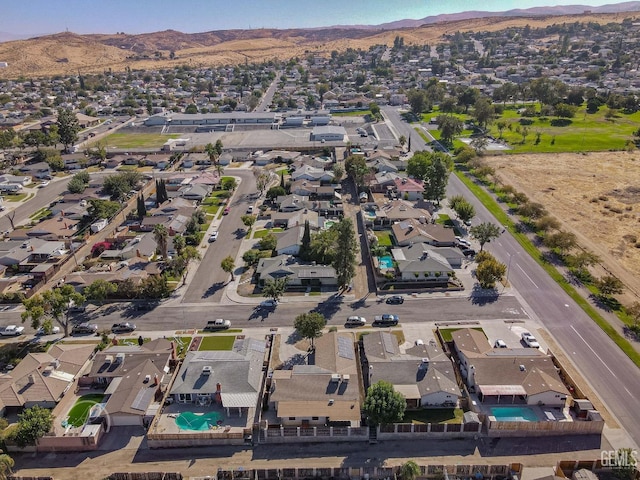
[
  {"x": 609, "y": 371},
  {"x": 208, "y": 282}
]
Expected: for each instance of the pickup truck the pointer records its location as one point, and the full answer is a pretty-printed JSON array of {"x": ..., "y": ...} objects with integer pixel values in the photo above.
[
  {"x": 386, "y": 320},
  {"x": 11, "y": 331}
]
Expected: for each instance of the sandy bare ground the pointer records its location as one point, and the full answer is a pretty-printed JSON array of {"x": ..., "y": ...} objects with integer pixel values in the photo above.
[
  {"x": 68, "y": 53},
  {"x": 594, "y": 195}
]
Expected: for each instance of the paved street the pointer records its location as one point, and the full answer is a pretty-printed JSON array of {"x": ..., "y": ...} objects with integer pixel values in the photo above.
[{"x": 208, "y": 282}]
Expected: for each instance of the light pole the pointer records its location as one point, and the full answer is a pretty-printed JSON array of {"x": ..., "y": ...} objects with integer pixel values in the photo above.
[{"x": 511, "y": 255}]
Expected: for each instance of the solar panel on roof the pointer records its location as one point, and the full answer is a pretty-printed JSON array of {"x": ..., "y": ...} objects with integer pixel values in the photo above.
[
  {"x": 345, "y": 348},
  {"x": 143, "y": 398},
  {"x": 388, "y": 343}
]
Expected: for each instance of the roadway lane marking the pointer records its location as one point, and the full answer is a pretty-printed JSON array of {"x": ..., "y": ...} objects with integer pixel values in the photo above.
[
  {"x": 597, "y": 356},
  {"x": 525, "y": 274}
]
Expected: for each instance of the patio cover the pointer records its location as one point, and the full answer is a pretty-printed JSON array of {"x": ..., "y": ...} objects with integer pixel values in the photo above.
[
  {"x": 495, "y": 390},
  {"x": 410, "y": 392},
  {"x": 239, "y": 400}
]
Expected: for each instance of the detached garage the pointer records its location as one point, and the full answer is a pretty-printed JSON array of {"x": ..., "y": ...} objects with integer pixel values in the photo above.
[{"x": 329, "y": 133}]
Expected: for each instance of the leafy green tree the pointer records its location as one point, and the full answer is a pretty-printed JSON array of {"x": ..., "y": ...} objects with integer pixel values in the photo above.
[
  {"x": 228, "y": 265},
  {"x": 338, "y": 172},
  {"x": 153, "y": 287},
  {"x": 33, "y": 423},
  {"x": 179, "y": 244},
  {"x": 229, "y": 183},
  {"x": 449, "y": 127},
  {"x": 161, "y": 236},
  {"x": 610, "y": 285},
  {"x": 547, "y": 223},
  {"x": 248, "y": 220},
  {"x": 305, "y": 242},
  {"x": 53, "y": 305},
  {"x": 262, "y": 179},
  {"x": 102, "y": 208},
  {"x": 488, "y": 272},
  {"x": 346, "y": 249},
  {"x": 485, "y": 232},
  {"x": 409, "y": 470},
  {"x": 214, "y": 152},
  {"x": 119, "y": 185},
  {"x": 417, "y": 101},
  {"x": 275, "y": 192},
  {"x": 532, "y": 210},
  {"x": 268, "y": 242},
  {"x": 100, "y": 290},
  {"x": 76, "y": 185},
  {"x": 483, "y": 111},
  {"x": 310, "y": 325},
  {"x": 356, "y": 168},
  {"x": 437, "y": 176},
  {"x": 141, "y": 207},
  {"x": 275, "y": 288},
  {"x": 468, "y": 97},
  {"x": 323, "y": 244},
  {"x": 383, "y": 405},
  {"x": 465, "y": 210},
  {"x": 560, "y": 241},
  {"x": 68, "y": 127}
]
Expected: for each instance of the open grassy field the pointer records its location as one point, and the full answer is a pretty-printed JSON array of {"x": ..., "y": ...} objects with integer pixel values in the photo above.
[
  {"x": 138, "y": 140},
  {"x": 595, "y": 195},
  {"x": 585, "y": 132}
]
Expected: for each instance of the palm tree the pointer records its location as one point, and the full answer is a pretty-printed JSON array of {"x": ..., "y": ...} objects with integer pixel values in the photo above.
[
  {"x": 161, "y": 236},
  {"x": 6, "y": 464},
  {"x": 214, "y": 152}
]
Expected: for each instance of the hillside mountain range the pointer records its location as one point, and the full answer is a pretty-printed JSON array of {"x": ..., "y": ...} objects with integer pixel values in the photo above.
[{"x": 66, "y": 53}]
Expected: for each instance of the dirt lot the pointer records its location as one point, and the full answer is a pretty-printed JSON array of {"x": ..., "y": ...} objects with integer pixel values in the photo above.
[{"x": 595, "y": 195}]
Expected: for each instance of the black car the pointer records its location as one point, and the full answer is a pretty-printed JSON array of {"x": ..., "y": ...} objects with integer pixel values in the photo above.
[
  {"x": 395, "y": 300},
  {"x": 123, "y": 327},
  {"x": 469, "y": 252},
  {"x": 84, "y": 329}
]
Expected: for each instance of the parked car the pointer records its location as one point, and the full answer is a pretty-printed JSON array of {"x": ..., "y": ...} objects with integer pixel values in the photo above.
[
  {"x": 43, "y": 184},
  {"x": 12, "y": 331},
  {"x": 250, "y": 209},
  {"x": 386, "y": 320},
  {"x": 124, "y": 327},
  {"x": 214, "y": 236},
  {"x": 54, "y": 330},
  {"x": 395, "y": 300},
  {"x": 217, "y": 324},
  {"x": 77, "y": 309},
  {"x": 530, "y": 340},
  {"x": 268, "y": 304},
  {"x": 355, "y": 321},
  {"x": 226, "y": 211},
  {"x": 463, "y": 242},
  {"x": 468, "y": 252},
  {"x": 500, "y": 344},
  {"x": 84, "y": 329}
]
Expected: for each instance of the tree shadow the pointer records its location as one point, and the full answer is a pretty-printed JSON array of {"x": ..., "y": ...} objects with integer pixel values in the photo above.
[
  {"x": 260, "y": 313},
  {"x": 240, "y": 233},
  {"x": 213, "y": 289},
  {"x": 329, "y": 307},
  {"x": 297, "y": 359},
  {"x": 483, "y": 296},
  {"x": 293, "y": 338},
  {"x": 360, "y": 303},
  {"x": 604, "y": 302}
]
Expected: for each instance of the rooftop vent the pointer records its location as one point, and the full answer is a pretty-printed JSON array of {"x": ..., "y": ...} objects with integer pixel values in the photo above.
[
  {"x": 108, "y": 360},
  {"x": 120, "y": 358},
  {"x": 331, "y": 401},
  {"x": 206, "y": 370},
  {"x": 335, "y": 378},
  {"x": 346, "y": 378},
  {"x": 147, "y": 378},
  {"x": 523, "y": 368}
]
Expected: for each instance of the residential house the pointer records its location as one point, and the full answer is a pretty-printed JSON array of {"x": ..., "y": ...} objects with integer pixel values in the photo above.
[
  {"x": 384, "y": 216},
  {"x": 195, "y": 192},
  {"x": 408, "y": 188},
  {"x": 325, "y": 392},
  {"x": 508, "y": 375},
  {"x": 39, "y": 170},
  {"x": 284, "y": 266},
  {"x": 134, "y": 270},
  {"x": 231, "y": 379},
  {"x": 416, "y": 263},
  {"x": 423, "y": 374},
  {"x": 142, "y": 246},
  {"x": 134, "y": 377},
  {"x": 412, "y": 231},
  {"x": 293, "y": 219},
  {"x": 289, "y": 241},
  {"x": 43, "y": 378},
  {"x": 384, "y": 182},
  {"x": 307, "y": 172}
]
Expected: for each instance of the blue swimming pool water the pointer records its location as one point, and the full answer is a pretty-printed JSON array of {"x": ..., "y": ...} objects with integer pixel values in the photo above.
[
  {"x": 514, "y": 414},
  {"x": 385, "y": 262},
  {"x": 198, "y": 422}
]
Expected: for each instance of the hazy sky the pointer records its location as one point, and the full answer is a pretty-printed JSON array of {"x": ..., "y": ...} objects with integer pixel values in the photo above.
[{"x": 136, "y": 16}]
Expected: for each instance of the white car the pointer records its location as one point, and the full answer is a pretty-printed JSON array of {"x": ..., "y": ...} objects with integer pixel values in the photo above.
[
  {"x": 12, "y": 331},
  {"x": 250, "y": 209},
  {"x": 268, "y": 304},
  {"x": 54, "y": 330},
  {"x": 214, "y": 236},
  {"x": 530, "y": 340},
  {"x": 500, "y": 344},
  {"x": 43, "y": 184}
]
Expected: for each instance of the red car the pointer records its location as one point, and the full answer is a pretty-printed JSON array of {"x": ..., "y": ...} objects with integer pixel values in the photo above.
[{"x": 226, "y": 211}]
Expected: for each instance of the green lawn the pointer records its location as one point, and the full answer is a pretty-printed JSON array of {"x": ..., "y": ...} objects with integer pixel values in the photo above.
[
  {"x": 138, "y": 140},
  {"x": 80, "y": 410},
  {"x": 18, "y": 197},
  {"x": 182, "y": 345},
  {"x": 447, "y": 332},
  {"x": 434, "y": 415},
  {"x": 211, "y": 209},
  {"x": 265, "y": 232},
  {"x": 385, "y": 238},
  {"x": 217, "y": 342},
  {"x": 359, "y": 113},
  {"x": 38, "y": 214}
]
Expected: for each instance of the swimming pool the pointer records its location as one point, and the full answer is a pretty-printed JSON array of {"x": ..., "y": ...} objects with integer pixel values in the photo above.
[
  {"x": 385, "y": 262},
  {"x": 514, "y": 414},
  {"x": 198, "y": 422}
]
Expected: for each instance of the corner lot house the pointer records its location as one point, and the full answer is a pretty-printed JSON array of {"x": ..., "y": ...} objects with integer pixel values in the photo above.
[
  {"x": 412, "y": 231},
  {"x": 505, "y": 375}
]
